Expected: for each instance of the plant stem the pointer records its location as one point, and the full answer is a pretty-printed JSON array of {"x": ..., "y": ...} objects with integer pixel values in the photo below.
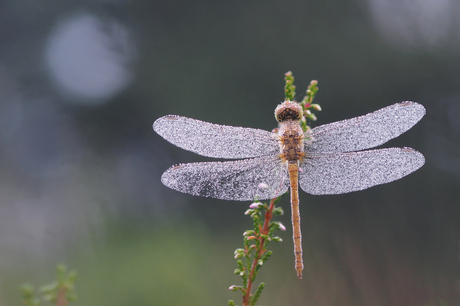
[
  {"x": 61, "y": 298},
  {"x": 258, "y": 256}
]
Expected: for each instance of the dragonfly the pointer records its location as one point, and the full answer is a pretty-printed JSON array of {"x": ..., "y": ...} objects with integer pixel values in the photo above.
[{"x": 329, "y": 159}]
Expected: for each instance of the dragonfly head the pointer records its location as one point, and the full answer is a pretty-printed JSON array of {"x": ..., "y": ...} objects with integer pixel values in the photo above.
[{"x": 288, "y": 110}]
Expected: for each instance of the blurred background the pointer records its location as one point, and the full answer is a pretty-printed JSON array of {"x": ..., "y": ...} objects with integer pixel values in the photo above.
[{"x": 81, "y": 83}]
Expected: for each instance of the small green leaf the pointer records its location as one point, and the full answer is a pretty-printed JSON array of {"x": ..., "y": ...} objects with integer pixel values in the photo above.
[
  {"x": 249, "y": 212},
  {"x": 240, "y": 265},
  {"x": 316, "y": 107},
  {"x": 27, "y": 290},
  {"x": 258, "y": 292},
  {"x": 266, "y": 237},
  {"x": 278, "y": 211},
  {"x": 279, "y": 225},
  {"x": 311, "y": 117},
  {"x": 234, "y": 287},
  {"x": 266, "y": 256}
]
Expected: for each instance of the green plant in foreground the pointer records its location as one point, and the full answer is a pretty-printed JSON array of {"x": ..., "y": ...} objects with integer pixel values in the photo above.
[
  {"x": 254, "y": 253},
  {"x": 60, "y": 292}
]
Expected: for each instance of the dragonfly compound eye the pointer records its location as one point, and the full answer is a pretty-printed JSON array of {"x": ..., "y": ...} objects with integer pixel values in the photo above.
[{"x": 288, "y": 110}]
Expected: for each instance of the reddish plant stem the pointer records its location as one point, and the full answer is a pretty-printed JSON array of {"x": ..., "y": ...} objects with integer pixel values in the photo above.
[
  {"x": 61, "y": 299},
  {"x": 263, "y": 231}
]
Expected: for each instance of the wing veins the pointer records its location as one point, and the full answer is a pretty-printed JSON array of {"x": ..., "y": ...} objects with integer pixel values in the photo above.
[
  {"x": 214, "y": 140},
  {"x": 229, "y": 180},
  {"x": 338, "y": 173}
]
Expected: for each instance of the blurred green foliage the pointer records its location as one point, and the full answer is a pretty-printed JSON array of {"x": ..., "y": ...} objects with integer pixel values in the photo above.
[
  {"x": 169, "y": 266},
  {"x": 60, "y": 292}
]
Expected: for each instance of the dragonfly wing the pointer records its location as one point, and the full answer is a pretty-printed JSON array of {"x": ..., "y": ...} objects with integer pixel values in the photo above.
[
  {"x": 242, "y": 180},
  {"x": 214, "y": 140},
  {"x": 366, "y": 131},
  {"x": 338, "y": 173}
]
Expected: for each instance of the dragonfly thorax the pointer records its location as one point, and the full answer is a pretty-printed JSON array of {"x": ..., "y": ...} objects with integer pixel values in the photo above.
[
  {"x": 291, "y": 138},
  {"x": 288, "y": 110}
]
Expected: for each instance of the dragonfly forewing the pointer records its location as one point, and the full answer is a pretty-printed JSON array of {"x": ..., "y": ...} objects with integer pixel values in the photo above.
[
  {"x": 337, "y": 173},
  {"x": 242, "y": 180},
  {"x": 366, "y": 131},
  {"x": 214, "y": 140}
]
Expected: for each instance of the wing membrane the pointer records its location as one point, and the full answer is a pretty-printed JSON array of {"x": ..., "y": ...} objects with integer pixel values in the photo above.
[
  {"x": 213, "y": 140},
  {"x": 338, "y": 173},
  {"x": 231, "y": 180},
  {"x": 366, "y": 131}
]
